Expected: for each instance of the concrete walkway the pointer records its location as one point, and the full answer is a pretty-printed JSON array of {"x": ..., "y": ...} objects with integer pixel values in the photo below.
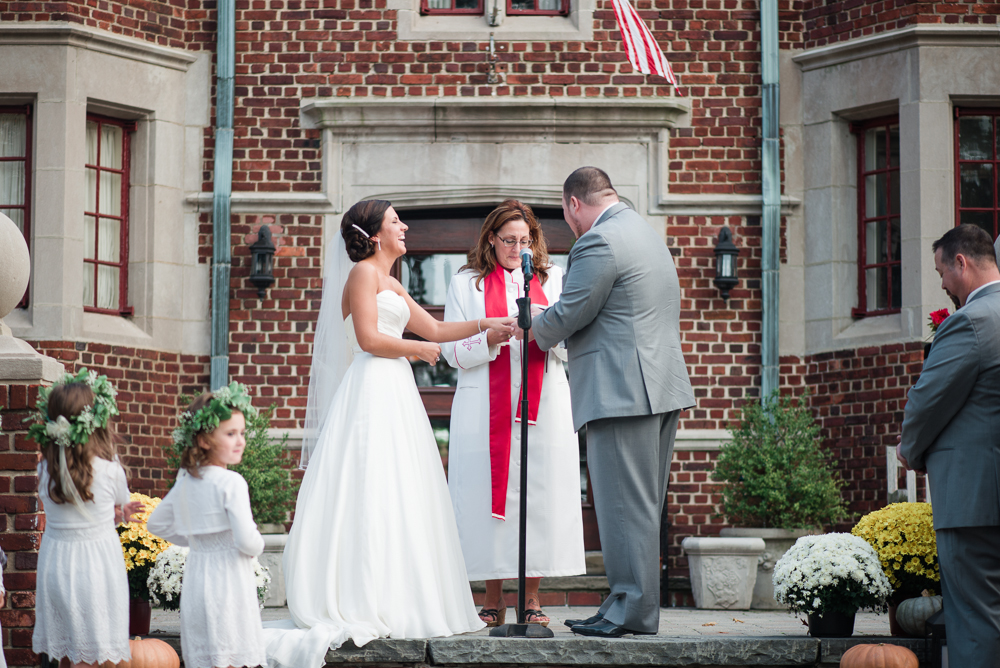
[{"x": 674, "y": 622}]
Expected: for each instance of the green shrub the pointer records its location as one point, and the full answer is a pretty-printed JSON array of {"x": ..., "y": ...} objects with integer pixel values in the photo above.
[
  {"x": 775, "y": 473},
  {"x": 272, "y": 489}
]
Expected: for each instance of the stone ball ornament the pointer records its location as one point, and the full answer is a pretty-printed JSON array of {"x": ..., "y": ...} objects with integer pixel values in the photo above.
[{"x": 15, "y": 265}]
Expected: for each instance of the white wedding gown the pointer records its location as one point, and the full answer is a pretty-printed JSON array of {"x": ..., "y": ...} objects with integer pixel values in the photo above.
[{"x": 374, "y": 549}]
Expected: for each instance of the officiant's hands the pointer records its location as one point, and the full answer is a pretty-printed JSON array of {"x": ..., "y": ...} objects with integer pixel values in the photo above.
[{"x": 498, "y": 330}]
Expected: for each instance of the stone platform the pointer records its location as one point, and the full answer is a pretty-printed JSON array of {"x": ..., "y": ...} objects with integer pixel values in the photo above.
[{"x": 688, "y": 637}]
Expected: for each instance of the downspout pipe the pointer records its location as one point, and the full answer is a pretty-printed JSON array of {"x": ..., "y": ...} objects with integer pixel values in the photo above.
[
  {"x": 222, "y": 189},
  {"x": 771, "y": 187}
]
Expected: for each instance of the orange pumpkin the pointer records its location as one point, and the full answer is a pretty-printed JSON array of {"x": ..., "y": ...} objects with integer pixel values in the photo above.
[
  {"x": 879, "y": 656},
  {"x": 151, "y": 653}
]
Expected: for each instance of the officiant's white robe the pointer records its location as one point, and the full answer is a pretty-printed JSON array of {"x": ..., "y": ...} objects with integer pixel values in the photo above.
[{"x": 555, "y": 521}]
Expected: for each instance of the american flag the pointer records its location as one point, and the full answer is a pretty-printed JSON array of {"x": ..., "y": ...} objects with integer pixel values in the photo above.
[{"x": 643, "y": 52}]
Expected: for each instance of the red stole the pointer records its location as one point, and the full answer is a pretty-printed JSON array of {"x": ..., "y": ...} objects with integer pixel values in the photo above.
[{"x": 500, "y": 384}]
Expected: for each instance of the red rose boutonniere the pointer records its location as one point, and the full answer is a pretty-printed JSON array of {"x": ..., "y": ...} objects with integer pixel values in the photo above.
[{"x": 937, "y": 317}]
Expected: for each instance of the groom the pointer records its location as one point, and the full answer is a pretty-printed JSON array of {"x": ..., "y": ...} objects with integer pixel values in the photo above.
[{"x": 619, "y": 316}]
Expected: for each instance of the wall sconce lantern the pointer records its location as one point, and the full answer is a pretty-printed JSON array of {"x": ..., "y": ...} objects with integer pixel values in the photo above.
[
  {"x": 725, "y": 263},
  {"x": 262, "y": 261}
]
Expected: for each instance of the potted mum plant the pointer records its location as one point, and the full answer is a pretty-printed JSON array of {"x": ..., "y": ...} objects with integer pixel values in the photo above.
[
  {"x": 778, "y": 483},
  {"x": 902, "y": 535},
  {"x": 830, "y": 577},
  {"x": 141, "y": 549},
  {"x": 166, "y": 578}
]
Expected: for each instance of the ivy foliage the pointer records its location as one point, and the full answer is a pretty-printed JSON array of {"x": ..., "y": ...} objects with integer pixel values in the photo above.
[{"x": 776, "y": 475}]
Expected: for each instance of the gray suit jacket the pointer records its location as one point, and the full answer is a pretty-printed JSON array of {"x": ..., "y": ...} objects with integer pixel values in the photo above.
[
  {"x": 952, "y": 418},
  {"x": 619, "y": 314}
]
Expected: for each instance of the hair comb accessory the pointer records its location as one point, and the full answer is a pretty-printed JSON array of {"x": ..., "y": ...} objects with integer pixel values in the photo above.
[
  {"x": 367, "y": 236},
  {"x": 224, "y": 401}
]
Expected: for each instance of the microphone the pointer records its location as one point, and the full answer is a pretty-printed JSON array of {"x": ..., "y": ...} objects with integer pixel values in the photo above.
[{"x": 526, "y": 264}]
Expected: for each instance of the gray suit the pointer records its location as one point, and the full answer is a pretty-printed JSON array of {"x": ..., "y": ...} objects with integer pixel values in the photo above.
[
  {"x": 619, "y": 314},
  {"x": 952, "y": 428}
]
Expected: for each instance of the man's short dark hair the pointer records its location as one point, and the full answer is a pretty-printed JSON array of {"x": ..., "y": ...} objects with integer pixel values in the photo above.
[
  {"x": 971, "y": 241},
  {"x": 589, "y": 185}
]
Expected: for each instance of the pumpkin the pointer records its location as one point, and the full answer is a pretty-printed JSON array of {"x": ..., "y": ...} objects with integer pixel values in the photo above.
[
  {"x": 879, "y": 656},
  {"x": 151, "y": 653},
  {"x": 912, "y": 613}
]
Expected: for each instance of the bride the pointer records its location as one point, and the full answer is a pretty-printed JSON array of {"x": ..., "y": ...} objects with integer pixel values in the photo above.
[{"x": 374, "y": 549}]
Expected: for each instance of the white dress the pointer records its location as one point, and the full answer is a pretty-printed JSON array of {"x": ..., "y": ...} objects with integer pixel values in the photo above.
[
  {"x": 81, "y": 595},
  {"x": 555, "y": 520},
  {"x": 373, "y": 551},
  {"x": 220, "y": 616}
]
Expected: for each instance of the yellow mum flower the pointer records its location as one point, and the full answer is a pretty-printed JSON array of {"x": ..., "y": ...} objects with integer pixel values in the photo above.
[{"x": 902, "y": 535}]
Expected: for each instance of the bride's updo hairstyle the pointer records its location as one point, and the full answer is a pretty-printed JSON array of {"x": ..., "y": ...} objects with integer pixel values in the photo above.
[{"x": 362, "y": 222}]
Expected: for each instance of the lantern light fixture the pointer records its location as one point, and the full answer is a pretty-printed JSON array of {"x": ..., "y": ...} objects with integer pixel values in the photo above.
[
  {"x": 725, "y": 263},
  {"x": 262, "y": 261}
]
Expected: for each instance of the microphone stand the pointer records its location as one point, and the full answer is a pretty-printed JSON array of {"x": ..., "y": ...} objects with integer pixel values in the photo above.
[{"x": 523, "y": 629}]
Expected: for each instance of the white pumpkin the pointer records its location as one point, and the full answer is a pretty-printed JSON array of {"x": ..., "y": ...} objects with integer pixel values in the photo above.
[{"x": 913, "y": 613}]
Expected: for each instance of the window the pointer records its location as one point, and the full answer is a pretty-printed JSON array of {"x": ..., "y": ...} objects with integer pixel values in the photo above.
[
  {"x": 879, "y": 274},
  {"x": 105, "y": 276},
  {"x": 538, "y": 7},
  {"x": 451, "y": 6},
  {"x": 977, "y": 168},
  {"x": 15, "y": 170}
]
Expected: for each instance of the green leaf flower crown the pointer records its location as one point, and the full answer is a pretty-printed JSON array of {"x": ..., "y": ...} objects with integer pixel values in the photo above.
[
  {"x": 77, "y": 429},
  {"x": 224, "y": 401}
]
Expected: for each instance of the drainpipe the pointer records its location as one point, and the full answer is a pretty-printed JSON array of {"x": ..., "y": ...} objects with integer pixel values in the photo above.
[
  {"x": 222, "y": 189},
  {"x": 771, "y": 185}
]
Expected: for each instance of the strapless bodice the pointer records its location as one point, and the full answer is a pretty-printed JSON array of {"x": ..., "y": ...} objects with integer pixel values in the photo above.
[{"x": 393, "y": 314}]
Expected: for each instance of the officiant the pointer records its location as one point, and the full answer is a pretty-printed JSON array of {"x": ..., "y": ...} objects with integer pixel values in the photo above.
[{"x": 484, "y": 451}]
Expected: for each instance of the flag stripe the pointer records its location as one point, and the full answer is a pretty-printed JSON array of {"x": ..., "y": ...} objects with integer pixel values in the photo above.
[{"x": 643, "y": 53}]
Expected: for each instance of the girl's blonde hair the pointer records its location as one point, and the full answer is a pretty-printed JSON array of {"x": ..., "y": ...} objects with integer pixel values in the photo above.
[{"x": 70, "y": 400}]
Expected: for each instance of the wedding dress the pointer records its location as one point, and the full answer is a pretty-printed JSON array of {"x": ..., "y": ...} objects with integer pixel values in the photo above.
[{"x": 374, "y": 549}]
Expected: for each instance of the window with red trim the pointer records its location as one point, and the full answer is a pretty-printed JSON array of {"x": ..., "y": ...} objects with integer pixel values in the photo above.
[
  {"x": 538, "y": 7},
  {"x": 15, "y": 170},
  {"x": 879, "y": 266},
  {"x": 977, "y": 168},
  {"x": 451, "y": 6},
  {"x": 105, "y": 257}
]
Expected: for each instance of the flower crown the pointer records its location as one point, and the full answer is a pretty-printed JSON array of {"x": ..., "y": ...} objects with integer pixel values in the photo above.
[
  {"x": 224, "y": 401},
  {"x": 77, "y": 429}
]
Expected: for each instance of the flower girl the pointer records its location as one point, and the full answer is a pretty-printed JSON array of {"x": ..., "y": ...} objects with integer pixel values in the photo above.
[
  {"x": 208, "y": 509},
  {"x": 81, "y": 598}
]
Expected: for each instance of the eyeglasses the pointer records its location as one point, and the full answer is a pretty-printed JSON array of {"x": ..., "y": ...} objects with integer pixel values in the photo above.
[{"x": 510, "y": 243}]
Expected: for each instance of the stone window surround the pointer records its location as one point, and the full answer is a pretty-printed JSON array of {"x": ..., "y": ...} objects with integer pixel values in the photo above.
[
  {"x": 920, "y": 73},
  {"x": 92, "y": 71}
]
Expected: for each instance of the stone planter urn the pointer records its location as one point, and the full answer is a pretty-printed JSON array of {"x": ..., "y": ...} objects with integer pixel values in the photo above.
[
  {"x": 274, "y": 548},
  {"x": 723, "y": 571},
  {"x": 776, "y": 543}
]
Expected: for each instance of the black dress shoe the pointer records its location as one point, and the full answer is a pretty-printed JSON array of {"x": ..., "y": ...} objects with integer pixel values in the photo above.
[
  {"x": 605, "y": 629},
  {"x": 589, "y": 620}
]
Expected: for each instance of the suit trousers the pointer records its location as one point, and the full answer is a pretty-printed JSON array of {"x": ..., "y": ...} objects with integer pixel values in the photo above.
[
  {"x": 629, "y": 462},
  {"x": 970, "y": 578}
]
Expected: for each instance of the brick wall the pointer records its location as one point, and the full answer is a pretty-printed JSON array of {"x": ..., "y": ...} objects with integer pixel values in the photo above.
[
  {"x": 21, "y": 522},
  {"x": 829, "y": 22}
]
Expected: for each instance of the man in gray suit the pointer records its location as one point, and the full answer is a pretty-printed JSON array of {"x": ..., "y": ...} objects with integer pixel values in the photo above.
[
  {"x": 619, "y": 315},
  {"x": 951, "y": 429}
]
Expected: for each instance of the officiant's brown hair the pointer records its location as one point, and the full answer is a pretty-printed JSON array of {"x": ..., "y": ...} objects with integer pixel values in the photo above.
[{"x": 482, "y": 258}]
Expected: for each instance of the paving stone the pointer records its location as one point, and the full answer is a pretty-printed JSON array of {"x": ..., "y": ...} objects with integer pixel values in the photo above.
[
  {"x": 380, "y": 651},
  {"x": 639, "y": 651}
]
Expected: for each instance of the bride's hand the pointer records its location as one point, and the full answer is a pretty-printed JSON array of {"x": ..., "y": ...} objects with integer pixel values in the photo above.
[
  {"x": 429, "y": 352},
  {"x": 498, "y": 330}
]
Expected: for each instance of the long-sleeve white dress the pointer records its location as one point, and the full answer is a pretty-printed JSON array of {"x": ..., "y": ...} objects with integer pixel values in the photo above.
[
  {"x": 220, "y": 615},
  {"x": 81, "y": 595},
  {"x": 555, "y": 520}
]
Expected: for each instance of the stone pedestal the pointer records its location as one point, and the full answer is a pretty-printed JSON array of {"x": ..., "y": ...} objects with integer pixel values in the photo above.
[
  {"x": 723, "y": 571},
  {"x": 776, "y": 543},
  {"x": 274, "y": 548}
]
